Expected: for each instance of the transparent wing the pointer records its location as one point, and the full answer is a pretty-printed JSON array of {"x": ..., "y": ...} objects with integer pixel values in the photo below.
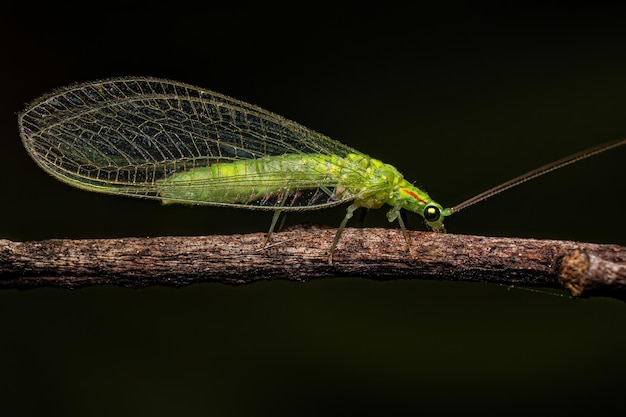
[{"x": 126, "y": 135}]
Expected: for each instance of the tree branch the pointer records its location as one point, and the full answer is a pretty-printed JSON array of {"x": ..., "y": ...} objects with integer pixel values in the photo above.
[{"x": 301, "y": 254}]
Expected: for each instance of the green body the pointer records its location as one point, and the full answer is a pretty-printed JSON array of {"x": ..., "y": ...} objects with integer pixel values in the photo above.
[{"x": 368, "y": 181}]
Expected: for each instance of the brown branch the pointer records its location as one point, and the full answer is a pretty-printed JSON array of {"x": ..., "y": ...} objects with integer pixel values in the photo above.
[{"x": 300, "y": 254}]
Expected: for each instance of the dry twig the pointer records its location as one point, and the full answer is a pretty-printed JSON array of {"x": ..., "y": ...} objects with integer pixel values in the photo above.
[{"x": 583, "y": 269}]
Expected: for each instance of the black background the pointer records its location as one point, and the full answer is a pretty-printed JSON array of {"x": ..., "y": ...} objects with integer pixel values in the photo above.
[{"x": 458, "y": 99}]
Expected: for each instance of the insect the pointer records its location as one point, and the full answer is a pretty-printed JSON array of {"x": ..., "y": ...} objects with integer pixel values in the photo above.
[{"x": 165, "y": 140}]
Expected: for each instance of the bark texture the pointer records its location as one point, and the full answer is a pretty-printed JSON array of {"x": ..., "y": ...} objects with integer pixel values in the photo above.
[{"x": 301, "y": 254}]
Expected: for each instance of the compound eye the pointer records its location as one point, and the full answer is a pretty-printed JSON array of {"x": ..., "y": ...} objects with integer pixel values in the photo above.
[{"x": 432, "y": 213}]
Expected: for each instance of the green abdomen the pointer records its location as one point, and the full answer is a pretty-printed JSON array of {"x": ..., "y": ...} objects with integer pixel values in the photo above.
[{"x": 293, "y": 179}]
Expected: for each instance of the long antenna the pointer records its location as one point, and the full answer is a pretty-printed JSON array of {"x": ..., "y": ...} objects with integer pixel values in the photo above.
[{"x": 544, "y": 169}]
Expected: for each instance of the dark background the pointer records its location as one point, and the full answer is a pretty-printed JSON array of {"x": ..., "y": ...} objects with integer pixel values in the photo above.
[{"x": 458, "y": 99}]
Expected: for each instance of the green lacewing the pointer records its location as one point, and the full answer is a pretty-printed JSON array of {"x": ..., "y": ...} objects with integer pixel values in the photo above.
[{"x": 159, "y": 139}]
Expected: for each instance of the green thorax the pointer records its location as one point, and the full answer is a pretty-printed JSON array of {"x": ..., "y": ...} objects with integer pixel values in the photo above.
[{"x": 384, "y": 184}]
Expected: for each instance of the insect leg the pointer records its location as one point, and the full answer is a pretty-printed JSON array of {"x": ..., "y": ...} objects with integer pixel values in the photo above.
[
  {"x": 349, "y": 213},
  {"x": 269, "y": 233},
  {"x": 404, "y": 217},
  {"x": 406, "y": 236},
  {"x": 275, "y": 219},
  {"x": 396, "y": 214},
  {"x": 282, "y": 221}
]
